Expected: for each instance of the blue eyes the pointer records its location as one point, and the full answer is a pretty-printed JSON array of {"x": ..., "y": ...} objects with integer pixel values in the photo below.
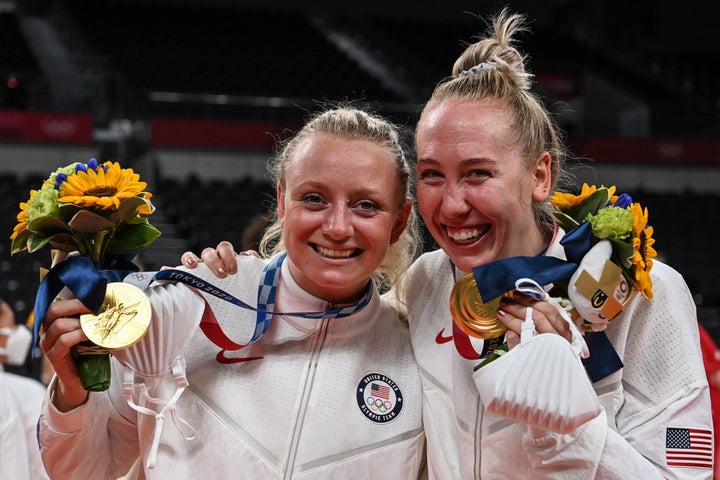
[
  {"x": 312, "y": 199},
  {"x": 430, "y": 174},
  {"x": 433, "y": 175},
  {"x": 479, "y": 173},
  {"x": 363, "y": 206},
  {"x": 367, "y": 205}
]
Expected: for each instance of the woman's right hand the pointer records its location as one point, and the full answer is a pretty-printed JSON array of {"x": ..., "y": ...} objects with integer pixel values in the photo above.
[
  {"x": 220, "y": 260},
  {"x": 547, "y": 319},
  {"x": 59, "y": 332}
]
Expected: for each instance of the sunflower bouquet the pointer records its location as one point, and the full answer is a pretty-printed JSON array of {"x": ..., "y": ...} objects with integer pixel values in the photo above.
[
  {"x": 97, "y": 210},
  {"x": 609, "y": 248},
  {"x": 615, "y": 218}
]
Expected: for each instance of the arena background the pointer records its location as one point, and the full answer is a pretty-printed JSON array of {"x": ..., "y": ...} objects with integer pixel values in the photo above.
[{"x": 193, "y": 94}]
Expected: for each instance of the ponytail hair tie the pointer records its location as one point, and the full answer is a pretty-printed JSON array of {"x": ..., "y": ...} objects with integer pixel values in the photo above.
[{"x": 480, "y": 67}]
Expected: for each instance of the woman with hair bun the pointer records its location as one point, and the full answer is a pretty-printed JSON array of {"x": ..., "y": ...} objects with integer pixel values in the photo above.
[{"x": 489, "y": 157}]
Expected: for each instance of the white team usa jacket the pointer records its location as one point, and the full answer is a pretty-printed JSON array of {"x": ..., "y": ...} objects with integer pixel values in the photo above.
[{"x": 312, "y": 399}]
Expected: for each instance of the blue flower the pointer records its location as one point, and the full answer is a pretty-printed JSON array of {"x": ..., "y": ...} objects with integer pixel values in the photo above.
[
  {"x": 60, "y": 178},
  {"x": 623, "y": 201}
]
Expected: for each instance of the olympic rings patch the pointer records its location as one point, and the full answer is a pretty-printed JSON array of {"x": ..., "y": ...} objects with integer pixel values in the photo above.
[{"x": 379, "y": 398}]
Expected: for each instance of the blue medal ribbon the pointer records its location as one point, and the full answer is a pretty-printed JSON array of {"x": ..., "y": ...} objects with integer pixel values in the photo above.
[
  {"x": 267, "y": 290},
  {"x": 496, "y": 278},
  {"x": 85, "y": 278}
]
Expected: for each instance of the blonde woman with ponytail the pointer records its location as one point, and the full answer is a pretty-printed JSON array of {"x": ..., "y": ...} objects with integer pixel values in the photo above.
[{"x": 488, "y": 158}]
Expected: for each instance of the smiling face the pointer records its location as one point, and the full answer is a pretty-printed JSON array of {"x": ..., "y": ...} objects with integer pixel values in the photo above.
[
  {"x": 340, "y": 208},
  {"x": 475, "y": 190}
]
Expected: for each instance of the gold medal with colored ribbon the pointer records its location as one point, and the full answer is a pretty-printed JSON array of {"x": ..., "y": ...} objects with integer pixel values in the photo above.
[
  {"x": 471, "y": 313},
  {"x": 123, "y": 319}
]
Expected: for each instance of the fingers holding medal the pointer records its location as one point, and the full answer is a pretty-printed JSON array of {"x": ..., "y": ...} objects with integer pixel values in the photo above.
[{"x": 491, "y": 319}]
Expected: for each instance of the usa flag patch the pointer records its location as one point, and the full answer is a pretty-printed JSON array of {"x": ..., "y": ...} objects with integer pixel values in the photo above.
[
  {"x": 379, "y": 398},
  {"x": 689, "y": 447}
]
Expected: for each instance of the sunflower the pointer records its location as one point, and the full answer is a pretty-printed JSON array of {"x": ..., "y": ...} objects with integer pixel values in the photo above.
[
  {"x": 644, "y": 252},
  {"x": 92, "y": 208},
  {"x": 564, "y": 201},
  {"x": 41, "y": 203},
  {"x": 103, "y": 187},
  {"x": 21, "y": 227}
]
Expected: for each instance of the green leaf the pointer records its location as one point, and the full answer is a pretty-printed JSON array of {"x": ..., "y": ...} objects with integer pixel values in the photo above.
[
  {"x": 66, "y": 242},
  {"x": 86, "y": 221},
  {"x": 499, "y": 352},
  {"x": 591, "y": 204},
  {"x": 36, "y": 242},
  {"x": 128, "y": 209},
  {"x": 566, "y": 222},
  {"x": 19, "y": 244},
  {"x": 47, "y": 226},
  {"x": 624, "y": 252},
  {"x": 132, "y": 237},
  {"x": 69, "y": 209}
]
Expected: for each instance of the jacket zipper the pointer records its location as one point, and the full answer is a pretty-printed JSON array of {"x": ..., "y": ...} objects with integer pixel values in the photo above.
[
  {"x": 307, "y": 390},
  {"x": 478, "y": 435}
]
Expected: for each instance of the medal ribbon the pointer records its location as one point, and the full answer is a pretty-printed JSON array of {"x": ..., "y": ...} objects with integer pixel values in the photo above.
[
  {"x": 267, "y": 291},
  {"x": 469, "y": 346},
  {"x": 495, "y": 278},
  {"x": 83, "y": 277}
]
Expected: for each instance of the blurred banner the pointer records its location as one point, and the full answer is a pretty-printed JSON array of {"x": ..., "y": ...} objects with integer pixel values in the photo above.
[{"x": 42, "y": 127}]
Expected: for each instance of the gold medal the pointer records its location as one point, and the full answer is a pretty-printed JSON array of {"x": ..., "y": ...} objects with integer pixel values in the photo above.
[
  {"x": 123, "y": 319},
  {"x": 471, "y": 314}
]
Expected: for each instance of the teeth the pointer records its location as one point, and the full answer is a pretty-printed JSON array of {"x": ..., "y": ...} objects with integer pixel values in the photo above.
[
  {"x": 327, "y": 252},
  {"x": 464, "y": 235}
]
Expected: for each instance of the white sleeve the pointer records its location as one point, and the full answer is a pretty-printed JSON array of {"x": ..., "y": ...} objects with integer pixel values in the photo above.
[
  {"x": 643, "y": 446},
  {"x": 592, "y": 451},
  {"x": 100, "y": 438},
  {"x": 597, "y": 451},
  {"x": 661, "y": 391},
  {"x": 90, "y": 441},
  {"x": 28, "y": 394},
  {"x": 13, "y": 448}
]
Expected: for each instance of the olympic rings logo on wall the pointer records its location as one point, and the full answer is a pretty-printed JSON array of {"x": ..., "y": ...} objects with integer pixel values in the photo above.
[{"x": 379, "y": 398}]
